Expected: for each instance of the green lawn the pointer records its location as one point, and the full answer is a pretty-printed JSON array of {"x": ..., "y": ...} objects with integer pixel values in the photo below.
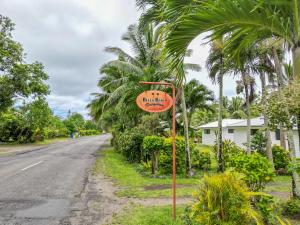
[
  {"x": 134, "y": 184},
  {"x": 139, "y": 215}
]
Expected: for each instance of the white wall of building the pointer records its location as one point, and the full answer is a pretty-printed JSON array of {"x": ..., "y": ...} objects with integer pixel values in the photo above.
[
  {"x": 240, "y": 137},
  {"x": 209, "y": 139}
]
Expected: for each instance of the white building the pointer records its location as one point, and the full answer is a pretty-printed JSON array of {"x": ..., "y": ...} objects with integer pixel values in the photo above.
[{"x": 236, "y": 131}]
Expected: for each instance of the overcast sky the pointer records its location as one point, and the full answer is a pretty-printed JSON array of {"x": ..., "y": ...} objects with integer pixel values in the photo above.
[{"x": 68, "y": 37}]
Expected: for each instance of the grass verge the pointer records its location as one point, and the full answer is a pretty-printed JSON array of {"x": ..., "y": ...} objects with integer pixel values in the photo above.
[
  {"x": 158, "y": 215},
  {"x": 134, "y": 184}
]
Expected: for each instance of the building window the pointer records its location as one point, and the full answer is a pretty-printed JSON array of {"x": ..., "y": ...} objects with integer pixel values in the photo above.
[
  {"x": 254, "y": 131},
  {"x": 277, "y": 135},
  {"x": 230, "y": 131},
  {"x": 207, "y": 131}
]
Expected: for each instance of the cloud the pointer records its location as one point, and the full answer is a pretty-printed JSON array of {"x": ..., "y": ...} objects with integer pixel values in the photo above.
[{"x": 68, "y": 37}]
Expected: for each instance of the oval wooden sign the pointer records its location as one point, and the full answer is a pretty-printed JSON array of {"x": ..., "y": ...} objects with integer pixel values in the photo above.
[{"x": 154, "y": 101}]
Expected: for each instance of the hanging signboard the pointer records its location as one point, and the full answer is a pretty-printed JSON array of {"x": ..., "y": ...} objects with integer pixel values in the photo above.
[{"x": 154, "y": 101}]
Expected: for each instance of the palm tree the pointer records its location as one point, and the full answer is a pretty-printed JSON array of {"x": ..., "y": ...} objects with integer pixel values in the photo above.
[
  {"x": 246, "y": 84},
  {"x": 155, "y": 14},
  {"x": 197, "y": 96},
  {"x": 120, "y": 83},
  {"x": 216, "y": 67},
  {"x": 255, "y": 21},
  {"x": 236, "y": 108}
]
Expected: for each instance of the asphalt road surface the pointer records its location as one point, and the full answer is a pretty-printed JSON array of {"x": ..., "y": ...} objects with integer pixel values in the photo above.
[{"x": 41, "y": 186}]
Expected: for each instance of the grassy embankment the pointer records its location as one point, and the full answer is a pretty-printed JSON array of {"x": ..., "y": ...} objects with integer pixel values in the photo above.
[{"x": 133, "y": 184}]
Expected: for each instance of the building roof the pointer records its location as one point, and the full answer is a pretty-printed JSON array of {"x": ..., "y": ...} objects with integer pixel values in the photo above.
[
  {"x": 225, "y": 123},
  {"x": 255, "y": 122}
]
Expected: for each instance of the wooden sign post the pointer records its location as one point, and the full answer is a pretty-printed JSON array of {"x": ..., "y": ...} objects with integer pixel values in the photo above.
[{"x": 159, "y": 101}]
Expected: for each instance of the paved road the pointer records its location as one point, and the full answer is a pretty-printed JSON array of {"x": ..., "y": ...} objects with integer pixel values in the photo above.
[{"x": 40, "y": 187}]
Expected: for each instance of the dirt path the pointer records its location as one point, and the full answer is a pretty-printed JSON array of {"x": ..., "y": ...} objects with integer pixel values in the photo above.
[{"x": 99, "y": 203}]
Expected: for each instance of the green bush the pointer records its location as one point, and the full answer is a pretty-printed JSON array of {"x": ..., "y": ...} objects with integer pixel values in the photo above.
[
  {"x": 13, "y": 128},
  {"x": 165, "y": 158},
  {"x": 229, "y": 148},
  {"x": 223, "y": 199},
  {"x": 258, "y": 142},
  {"x": 88, "y": 132},
  {"x": 281, "y": 158},
  {"x": 257, "y": 169},
  {"x": 268, "y": 208},
  {"x": 201, "y": 158},
  {"x": 129, "y": 143},
  {"x": 151, "y": 148},
  {"x": 291, "y": 208}
]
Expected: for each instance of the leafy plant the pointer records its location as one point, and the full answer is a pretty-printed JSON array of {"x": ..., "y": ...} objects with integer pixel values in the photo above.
[
  {"x": 258, "y": 142},
  {"x": 201, "y": 158},
  {"x": 165, "y": 158},
  {"x": 281, "y": 159},
  {"x": 151, "y": 146},
  {"x": 223, "y": 199},
  {"x": 129, "y": 143},
  {"x": 256, "y": 168},
  {"x": 268, "y": 208},
  {"x": 291, "y": 207},
  {"x": 229, "y": 148}
]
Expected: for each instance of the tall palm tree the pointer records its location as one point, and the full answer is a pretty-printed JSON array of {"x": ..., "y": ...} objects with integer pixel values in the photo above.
[
  {"x": 255, "y": 21},
  {"x": 216, "y": 67},
  {"x": 121, "y": 77},
  {"x": 155, "y": 14}
]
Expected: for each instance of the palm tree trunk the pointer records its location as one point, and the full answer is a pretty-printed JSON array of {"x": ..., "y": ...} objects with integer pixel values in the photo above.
[
  {"x": 296, "y": 69},
  {"x": 278, "y": 69},
  {"x": 219, "y": 134},
  {"x": 295, "y": 176},
  {"x": 248, "y": 113},
  {"x": 186, "y": 135},
  {"x": 296, "y": 75},
  {"x": 298, "y": 127},
  {"x": 266, "y": 120}
]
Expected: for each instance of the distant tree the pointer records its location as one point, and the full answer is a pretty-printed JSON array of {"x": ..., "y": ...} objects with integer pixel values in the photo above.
[
  {"x": 236, "y": 108},
  {"x": 197, "y": 96},
  {"x": 74, "y": 123},
  {"x": 17, "y": 78},
  {"x": 90, "y": 125},
  {"x": 38, "y": 116}
]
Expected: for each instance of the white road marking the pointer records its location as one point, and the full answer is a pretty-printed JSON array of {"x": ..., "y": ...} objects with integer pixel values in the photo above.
[{"x": 32, "y": 165}]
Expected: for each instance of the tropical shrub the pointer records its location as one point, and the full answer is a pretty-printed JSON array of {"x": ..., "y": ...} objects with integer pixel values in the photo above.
[
  {"x": 151, "y": 147},
  {"x": 229, "y": 149},
  {"x": 292, "y": 208},
  {"x": 223, "y": 199},
  {"x": 13, "y": 128},
  {"x": 129, "y": 143},
  {"x": 268, "y": 208},
  {"x": 258, "y": 142},
  {"x": 281, "y": 158},
  {"x": 256, "y": 168},
  {"x": 201, "y": 158},
  {"x": 88, "y": 132},
  {"x": 165, "y": 158}
]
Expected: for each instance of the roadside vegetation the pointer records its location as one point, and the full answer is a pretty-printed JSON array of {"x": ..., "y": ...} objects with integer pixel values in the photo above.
[
  {"x": 250, "y": 40},
  {"x": 25, "y": 116}
]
